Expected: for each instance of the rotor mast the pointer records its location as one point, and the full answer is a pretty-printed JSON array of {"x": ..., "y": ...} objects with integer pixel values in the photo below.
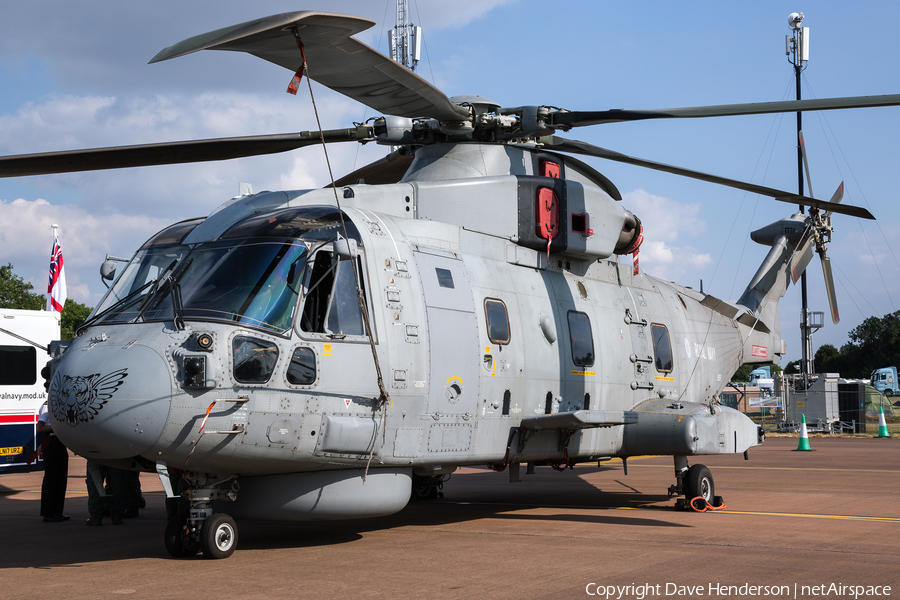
[
  {"x": 797, "y": 48},
  {"x": 405, "y": 39}
]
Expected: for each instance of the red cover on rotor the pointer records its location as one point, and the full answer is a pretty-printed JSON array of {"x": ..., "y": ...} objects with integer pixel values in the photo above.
[{"x": 547, "y": 213}]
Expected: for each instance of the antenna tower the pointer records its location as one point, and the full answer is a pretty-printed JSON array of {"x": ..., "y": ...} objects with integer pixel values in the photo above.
[
  {"x": 797, "y": 49},
  {"x": 405, "y": 39}
]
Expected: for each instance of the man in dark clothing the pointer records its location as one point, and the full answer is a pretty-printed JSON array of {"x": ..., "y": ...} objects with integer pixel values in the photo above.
[
  {"x": 56, "y": 471},
  {"x": 113, "y": 481}
]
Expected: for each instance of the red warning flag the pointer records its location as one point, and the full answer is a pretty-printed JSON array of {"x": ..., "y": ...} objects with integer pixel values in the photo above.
[{"x": 298, "y": 76}]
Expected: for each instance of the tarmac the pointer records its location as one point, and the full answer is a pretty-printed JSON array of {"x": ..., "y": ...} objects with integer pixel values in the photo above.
[{"x": 796, "y": 524}]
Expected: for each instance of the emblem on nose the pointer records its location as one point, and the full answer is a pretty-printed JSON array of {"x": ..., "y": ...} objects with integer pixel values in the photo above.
[{"x": 78, "y": 399}]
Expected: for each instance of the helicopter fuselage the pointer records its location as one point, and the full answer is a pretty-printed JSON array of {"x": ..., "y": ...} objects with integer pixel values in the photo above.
[{"x": 245, "y": 355}]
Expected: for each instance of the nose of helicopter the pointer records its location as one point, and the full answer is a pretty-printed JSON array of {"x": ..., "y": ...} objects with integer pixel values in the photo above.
[{"x": 110, "y": 402}]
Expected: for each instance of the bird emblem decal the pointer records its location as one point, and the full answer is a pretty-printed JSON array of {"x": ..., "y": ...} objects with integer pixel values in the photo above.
[{"x": 78, "y": 399}]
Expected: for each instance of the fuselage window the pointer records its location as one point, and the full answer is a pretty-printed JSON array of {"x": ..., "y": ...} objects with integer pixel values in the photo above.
[
  {"x": 445, "y": 278},
  {"x": 302, "y": 368},
  {"x": 497, "y": 321},
  {"x": 331, "y": 303},
  {"x": 662, "y": 350},
  {"x": 582, "y": 339}
]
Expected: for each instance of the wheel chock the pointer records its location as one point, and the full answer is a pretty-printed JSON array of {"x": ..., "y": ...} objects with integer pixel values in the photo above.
[{"x": 699, "y": 504}]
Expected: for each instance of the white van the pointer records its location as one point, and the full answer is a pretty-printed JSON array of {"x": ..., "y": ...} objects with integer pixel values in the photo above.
[{"x": 25, "y": 337}]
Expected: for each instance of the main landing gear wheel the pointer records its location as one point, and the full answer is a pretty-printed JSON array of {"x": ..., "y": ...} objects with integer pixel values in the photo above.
[
  {"x": 179, "y": 541},
  {"x": 427, "y": 488},
  {"x": 219, "y": 536},
  {"x": 699, "y": 482}
]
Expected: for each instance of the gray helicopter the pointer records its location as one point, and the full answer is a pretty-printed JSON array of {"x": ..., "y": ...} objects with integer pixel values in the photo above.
[{"x": 327, "y": 354}]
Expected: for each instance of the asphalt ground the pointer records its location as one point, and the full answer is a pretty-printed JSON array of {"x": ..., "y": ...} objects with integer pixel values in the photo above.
[{"x": 830, "y": 517}]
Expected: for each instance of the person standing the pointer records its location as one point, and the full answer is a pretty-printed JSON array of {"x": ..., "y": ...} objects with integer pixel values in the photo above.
[
  {"x": 56, "y": 471},
  {"x": 56, "y": 457},
  {"x": 112, "y": 502}
]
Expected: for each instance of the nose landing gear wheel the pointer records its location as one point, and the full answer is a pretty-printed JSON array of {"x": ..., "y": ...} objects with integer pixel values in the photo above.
[
  {"x": 219, "y": 536},
  {"x": 699, "y": 482},
  {"x": 179, "y": 542}
]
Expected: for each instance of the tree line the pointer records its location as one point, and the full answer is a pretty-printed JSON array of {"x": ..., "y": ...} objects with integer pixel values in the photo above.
[
  {"x": 873, "y": 344},
  {"x": 17, "y": 293}
]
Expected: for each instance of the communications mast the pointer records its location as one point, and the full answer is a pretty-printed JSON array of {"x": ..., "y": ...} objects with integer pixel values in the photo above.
[
  {"x": 405, "y": 39},
  {"x": 797, "y": 49}
]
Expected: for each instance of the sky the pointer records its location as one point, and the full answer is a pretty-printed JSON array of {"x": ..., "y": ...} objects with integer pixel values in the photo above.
[{"x": 75, "y": 75}]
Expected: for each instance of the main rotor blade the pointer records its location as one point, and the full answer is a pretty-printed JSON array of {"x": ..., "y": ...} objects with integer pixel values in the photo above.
[
  {"x": 829, "y": 288},
  {"x": 170, "y": 153},
  {"x": 576, "y": 147},
  {"x": 576, "y": 118},
  {"x": 333, "y": 58}
]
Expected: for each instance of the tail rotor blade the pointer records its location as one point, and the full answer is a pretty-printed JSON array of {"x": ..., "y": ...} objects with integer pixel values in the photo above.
[
  {"x": 806, "y": 164},
  {"x": 836, "y": 198},
  {"x": 829, "y": 287},
  {"x": 801, "y": 260}
]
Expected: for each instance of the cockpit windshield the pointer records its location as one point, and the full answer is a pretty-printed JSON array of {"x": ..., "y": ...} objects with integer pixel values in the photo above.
[
  {"x": 253, "y": 274},
  {"x": 255, "y": 282},
  {"x": 139, "y": 279}
]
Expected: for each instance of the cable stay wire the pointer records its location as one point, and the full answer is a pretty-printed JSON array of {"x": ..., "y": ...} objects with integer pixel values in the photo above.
[
  {"x": 776, "y": 127},
  {"x": 425, "y": 44},
  {"x": 841, "y": 280},
  {"x": 827, "y": 128}
]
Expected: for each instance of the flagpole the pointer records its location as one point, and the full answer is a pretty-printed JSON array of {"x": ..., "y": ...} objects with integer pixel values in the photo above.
[{"x": 56, "y": 287}]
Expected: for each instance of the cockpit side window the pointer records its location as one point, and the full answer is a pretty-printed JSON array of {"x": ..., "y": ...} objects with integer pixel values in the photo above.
[
  {"x": 302, "y": 368},
  {"x": 331, "y": 304}
]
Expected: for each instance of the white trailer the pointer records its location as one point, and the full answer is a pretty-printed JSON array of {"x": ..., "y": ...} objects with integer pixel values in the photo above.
[{"x": 25, "y": 337}]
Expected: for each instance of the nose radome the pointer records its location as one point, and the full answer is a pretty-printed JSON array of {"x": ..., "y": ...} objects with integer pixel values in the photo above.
[{"x": 110, "y": 402}]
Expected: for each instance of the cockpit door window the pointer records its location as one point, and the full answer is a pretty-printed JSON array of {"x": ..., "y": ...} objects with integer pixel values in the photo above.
[{"x": 331, "y": 301}]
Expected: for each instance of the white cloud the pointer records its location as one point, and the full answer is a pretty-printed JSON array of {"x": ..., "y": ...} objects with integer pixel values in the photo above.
[
  {"x": 664, "y": 221},
  {"x": 663, "y": 218},
  {"x": 443, "y": 15},
  {"x": 871, "y": 259},
  {"x": 61, "y": 121},
  {"x": 85, "y": 239}
]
